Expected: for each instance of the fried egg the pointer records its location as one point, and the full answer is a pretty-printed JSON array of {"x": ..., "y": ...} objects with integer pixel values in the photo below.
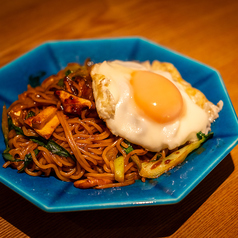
[{"x": 147, "y": 106}]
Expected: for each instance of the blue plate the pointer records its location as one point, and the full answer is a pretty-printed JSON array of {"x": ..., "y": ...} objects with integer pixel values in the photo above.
[{"x": 53, "y": 195}]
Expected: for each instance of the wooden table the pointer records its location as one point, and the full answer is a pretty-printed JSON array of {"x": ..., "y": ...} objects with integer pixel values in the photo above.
[{"x": 204, "y": 30}]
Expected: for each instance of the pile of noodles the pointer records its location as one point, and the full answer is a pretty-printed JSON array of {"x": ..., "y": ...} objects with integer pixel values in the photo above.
[{"x": 85, "y": 136}]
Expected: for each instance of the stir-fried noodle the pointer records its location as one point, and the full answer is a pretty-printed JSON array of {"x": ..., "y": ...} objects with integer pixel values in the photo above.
[{"x": 92, "y": 147}]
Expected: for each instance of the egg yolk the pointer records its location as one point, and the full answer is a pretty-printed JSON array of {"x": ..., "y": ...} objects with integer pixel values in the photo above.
[{"x": 156, "y": 96}]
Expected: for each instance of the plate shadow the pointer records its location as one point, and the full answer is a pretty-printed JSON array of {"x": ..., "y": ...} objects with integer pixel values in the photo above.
[{"x": 149, "y": 221}]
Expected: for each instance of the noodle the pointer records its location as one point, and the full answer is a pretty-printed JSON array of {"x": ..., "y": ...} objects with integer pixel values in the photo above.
[{"x": 91, "y": 148}]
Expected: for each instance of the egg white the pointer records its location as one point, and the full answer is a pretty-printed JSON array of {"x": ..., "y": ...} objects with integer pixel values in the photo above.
[{"x": 115, "y": 104}]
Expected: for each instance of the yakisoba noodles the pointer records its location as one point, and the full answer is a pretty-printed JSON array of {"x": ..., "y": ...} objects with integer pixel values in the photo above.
[{"x": 54, "y": 129}]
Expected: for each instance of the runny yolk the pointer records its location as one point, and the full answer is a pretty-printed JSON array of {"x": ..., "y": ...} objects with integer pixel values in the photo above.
[{"x": 156, "y": 96}]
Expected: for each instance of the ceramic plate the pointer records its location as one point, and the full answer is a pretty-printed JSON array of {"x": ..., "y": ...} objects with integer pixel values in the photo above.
[{"x": 53, "y": 195}]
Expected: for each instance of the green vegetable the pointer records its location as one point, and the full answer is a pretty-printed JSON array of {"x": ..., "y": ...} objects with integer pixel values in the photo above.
[
  {"x": 129, "y": 148},
  {"x": 27, "y": 160},
  {"x": 55, "y": 148},
  {"x": 201, "y": 135},
  {"x": 8, "y": 157},
  {"x": 61, "y": 83},
  {"x": 68, "y": 72},
  {"x": 30, "y": 114},
  {"x": 50, "y": 145},
  {"x": 119, "y": 169},
  {"x": 11, "y": 126},
  {"x": 34, "y": 80},
  {"x": 154, "y": 169}
]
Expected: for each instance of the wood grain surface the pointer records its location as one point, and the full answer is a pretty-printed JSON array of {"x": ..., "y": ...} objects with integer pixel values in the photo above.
[{"x": 204, "y": 30}]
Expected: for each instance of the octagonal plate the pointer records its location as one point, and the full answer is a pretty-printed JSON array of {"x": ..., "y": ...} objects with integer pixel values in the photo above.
[{"x": 53, "y": 195}]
